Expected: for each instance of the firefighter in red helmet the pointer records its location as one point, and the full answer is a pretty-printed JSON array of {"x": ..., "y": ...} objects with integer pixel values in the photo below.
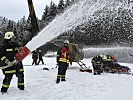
[{"x": 63, "y": 60}]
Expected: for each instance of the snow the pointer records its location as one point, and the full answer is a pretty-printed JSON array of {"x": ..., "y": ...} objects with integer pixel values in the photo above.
[{"x": 40, "y": 84}]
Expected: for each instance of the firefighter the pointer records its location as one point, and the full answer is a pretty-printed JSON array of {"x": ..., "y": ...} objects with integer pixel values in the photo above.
[
  {"x": 63, "y": 60},
  {"x": 7, "y": 55},
  {"x": 97, "y": 63},
  {"x": 107, "y": 62},
  {"x": 40, "y": 57},
  {"x": 35, "y": 57}
]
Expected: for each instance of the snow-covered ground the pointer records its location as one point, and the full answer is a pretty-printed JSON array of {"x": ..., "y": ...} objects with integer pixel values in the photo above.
[{"x": 40, "y": 84}]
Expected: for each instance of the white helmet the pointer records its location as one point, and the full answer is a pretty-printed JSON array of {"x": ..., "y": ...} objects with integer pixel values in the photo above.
[
  {"x": 66, "y": 41},
  {"x": 9, "y": 35}
]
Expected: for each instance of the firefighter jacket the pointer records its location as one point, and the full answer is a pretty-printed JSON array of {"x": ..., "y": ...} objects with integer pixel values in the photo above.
[
  {"x": 63, "y": 54},
  {"x": 35, "y": 55},
  {"x": 40, "y": 55},
  {"x": 8, "y": 51},
  {"x": 97, "y": 60}
]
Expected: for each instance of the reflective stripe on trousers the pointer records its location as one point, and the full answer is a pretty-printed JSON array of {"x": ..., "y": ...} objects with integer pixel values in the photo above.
[{"x": 12, "y": 71}]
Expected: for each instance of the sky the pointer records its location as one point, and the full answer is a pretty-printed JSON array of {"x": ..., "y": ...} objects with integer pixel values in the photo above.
[{"x": 16, "y": 9}]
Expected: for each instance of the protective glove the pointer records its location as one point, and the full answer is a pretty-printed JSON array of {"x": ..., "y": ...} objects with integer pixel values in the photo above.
[{"x": 9, "y": 63}]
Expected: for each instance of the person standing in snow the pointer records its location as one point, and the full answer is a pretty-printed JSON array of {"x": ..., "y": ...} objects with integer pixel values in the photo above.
[
  {"x": 7, "y": 55},
  {"x": 35, "y": 57},
  {"x": 40, "y": 57},
  {"x": 63, "y": 60}
]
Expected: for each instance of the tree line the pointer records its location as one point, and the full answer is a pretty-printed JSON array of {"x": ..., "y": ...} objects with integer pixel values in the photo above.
[
  {"x": 104, "y": 28},
  {"x": 22, "y": 28}
]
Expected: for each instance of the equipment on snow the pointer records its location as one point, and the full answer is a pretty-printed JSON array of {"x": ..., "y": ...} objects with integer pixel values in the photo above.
[
  {"x": 120, "y": 69},
  {"x": 84, "y": 68},
  {"x": 45, "y": 68}
]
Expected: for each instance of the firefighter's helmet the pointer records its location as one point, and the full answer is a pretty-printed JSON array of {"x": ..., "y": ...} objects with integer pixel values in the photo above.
[
  {"x": 66, "y": 41},
  {"x": 9, "y": 35}
]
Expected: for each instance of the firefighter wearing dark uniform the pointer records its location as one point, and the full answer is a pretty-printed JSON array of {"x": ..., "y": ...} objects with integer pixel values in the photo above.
[
  {"x": 107, "y": 62},
  {"x": 97, "y": 63},
  {"x": 7, "y": 55},
  {"x": 63, "y": 60},
  {"x": 40, "y": 57},
  {"x": 35, "y": 57}
]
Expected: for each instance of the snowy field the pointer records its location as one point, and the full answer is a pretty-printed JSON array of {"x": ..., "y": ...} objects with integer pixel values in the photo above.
[{"x": 40, "y": 84}]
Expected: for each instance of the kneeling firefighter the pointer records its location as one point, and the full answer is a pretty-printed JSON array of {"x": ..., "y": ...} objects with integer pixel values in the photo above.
[
  {"x": 97, "y": 63},
  {"x": 63, "y": 60},
  {"x": 107, "y": 63},
  {"x": 7, "y": 55}
]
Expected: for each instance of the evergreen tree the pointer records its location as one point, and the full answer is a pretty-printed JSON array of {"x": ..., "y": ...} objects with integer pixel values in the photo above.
[
  {"x": 4, "y": 25},
  {"x": 72, "y": 1},
  {"x": 10, "y": 26},
  {"x": 68, "y": 3},
  {"x": 61, "y": 6},
  {"x": 23, "y": 20},
  {"x": 45, "y": 14},
  {"x": 52, "y": 11}
]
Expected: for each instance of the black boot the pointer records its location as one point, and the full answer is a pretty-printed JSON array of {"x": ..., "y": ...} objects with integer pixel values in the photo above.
[
  {"x": 58, "y": 80},
  {"x": 95, "y": 73},
  {"x": 3, "y": 90},
  {"x": 63, "y": 79},
  {"x": 21, "y": 87}
]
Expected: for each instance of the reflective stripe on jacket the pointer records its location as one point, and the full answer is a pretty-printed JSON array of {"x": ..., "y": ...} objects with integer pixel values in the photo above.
[{"x": 65, "y": 55}]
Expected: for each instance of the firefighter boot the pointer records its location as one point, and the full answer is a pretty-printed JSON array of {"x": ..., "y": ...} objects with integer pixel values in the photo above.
[
  {"x": 3, "y": 90},
  {"x": 21, "y": 87},
  {"x": 58, "y": 80},
  {"x": 63, "y": 79}
]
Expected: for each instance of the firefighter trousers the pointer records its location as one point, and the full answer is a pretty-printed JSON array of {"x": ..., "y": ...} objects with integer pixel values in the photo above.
[
  {"x": 8, "y": 78},
  {"x": 41, "y": 61},
  {"x": 62, "y": 70}
]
